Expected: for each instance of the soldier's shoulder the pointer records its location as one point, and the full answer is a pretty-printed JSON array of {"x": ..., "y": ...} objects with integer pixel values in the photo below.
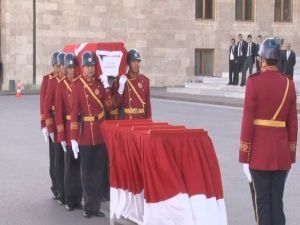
[
  {"x": 144, "y": 77},
  {"x": 52, "y": 76},
  {"x": 253, "y": 75},
  {"x": 48, "y": 75},
  {"x": 286, "y": 76},
  {"x": 77, "y": 79}
]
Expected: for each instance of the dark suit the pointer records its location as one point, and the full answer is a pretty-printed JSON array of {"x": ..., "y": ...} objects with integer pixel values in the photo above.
[
  {"x": 288, "y": 63},
  {"x": 249, "y": 60},
  {"x": 257, "y": 62},
  {"x": 232, "y": 62},
  {"x": 280, "y": 61},
  {"x": 241, "y": 51}
]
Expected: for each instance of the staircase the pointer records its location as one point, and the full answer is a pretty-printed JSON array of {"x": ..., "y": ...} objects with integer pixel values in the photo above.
[
  {"x": 217, "y": 86},
  {"x": 210, "y": 86}
]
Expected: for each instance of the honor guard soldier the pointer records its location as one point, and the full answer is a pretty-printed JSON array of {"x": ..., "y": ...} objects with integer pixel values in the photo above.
[
  {"x": 133, "y": 92},
  {"x": 72, "y": 180},
  {"x": 268, "y": 135},
  {"x": 90, "y": 100},
  {"x": 49, "y": 110},
  {"x": 45, "y": 133}
]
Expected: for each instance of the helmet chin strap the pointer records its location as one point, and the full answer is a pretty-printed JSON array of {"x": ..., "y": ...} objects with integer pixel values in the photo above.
[{"x": 133, "y": 74}]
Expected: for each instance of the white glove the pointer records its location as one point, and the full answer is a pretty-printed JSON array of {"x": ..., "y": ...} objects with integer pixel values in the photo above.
[
  {"x": 247, "y": 172},
  {"x": 75, "y": 148},
  {"x": 45, "y": 134},
  {"x": 52, "y": 136},
  {"x": 64, "y": 145},
  {"x": 122, "y": 82},
  {"x": 104, "y": 81}
]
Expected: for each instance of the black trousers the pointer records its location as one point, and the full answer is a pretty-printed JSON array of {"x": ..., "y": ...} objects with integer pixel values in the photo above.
[
  {"x": 231, "y": 71},
  {"x": 238, "y": 68},
  {"x": 248, "y": 64},
  {"x": 106, "y": 194},
  {"x": 54, "y": 187},
  {"x": 267, "y": 190},
  {"x": 257, "y": 63},
  {"x": 60, "y": 170},
  {"x": 93, "y": 165},
  {"x": 73, "y": 187}
]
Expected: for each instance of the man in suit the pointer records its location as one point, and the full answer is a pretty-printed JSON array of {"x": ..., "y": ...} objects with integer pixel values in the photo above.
[
  {"x": 241, "y": 51},
  {"x": 288, "y": 61},
  {"x": 257, "y": 58},
  {"x": 249, "y": 59},
  {"x": 232, "y": 60}
]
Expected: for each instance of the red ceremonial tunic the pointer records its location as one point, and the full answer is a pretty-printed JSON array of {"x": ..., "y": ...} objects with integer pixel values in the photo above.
[
  {"x": 135, "y": 100},
  {"x": 87, "y": 112},
  {"x": 63, "y": 110},
  {"x": 42, "y": 96},
  {"x": 49, "y": 106},
  {"x": 269, "y": 145}
]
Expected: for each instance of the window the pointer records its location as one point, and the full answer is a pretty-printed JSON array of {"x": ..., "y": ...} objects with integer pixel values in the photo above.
[
  {"x": 244, "y": 10},
  {"x": 283, "y": 11},
  {"x": 204, "y": 62},
  {"x": 205, "y": 9}
]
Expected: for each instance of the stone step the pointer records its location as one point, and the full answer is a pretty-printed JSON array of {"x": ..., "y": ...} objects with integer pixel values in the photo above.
[
  {"x": 215, "y": 86},
  {"x": 215, "y": 80},
  {"x": 208, "y": 92},
  {"x": 203, "y": 85},
  {"x": 225, "y": 75}
]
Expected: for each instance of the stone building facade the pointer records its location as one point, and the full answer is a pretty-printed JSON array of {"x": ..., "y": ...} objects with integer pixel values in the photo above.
[{"x": 166, "y": 32}]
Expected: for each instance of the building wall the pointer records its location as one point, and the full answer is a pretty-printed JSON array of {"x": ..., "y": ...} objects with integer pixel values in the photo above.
[
  {"x": 16, "y": 40},
  {"x": 153, "y": 27},
  {"x": 165, "y": 31}
]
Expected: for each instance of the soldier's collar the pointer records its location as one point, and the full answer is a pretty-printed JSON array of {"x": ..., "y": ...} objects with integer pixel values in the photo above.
[
  {"x": 70, "y": 80},
  {"x": 89, "y": 79},
  {"x": 265, "y": 68},
  {"x": 132, "y": 77}
]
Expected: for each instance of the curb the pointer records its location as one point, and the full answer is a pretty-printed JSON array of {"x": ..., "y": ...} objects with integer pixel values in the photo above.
[{"x": 161, "y": 93}]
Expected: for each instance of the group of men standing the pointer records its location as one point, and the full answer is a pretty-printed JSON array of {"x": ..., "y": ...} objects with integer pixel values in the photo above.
[
  {"x": 244, "y": 54},
  {"x": 72, "y": 107}
]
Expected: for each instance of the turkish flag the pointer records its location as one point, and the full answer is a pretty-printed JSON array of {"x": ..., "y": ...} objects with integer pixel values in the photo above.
[
  {"x": 162, "y": 174},
  {"x": 102, "y": 51}
]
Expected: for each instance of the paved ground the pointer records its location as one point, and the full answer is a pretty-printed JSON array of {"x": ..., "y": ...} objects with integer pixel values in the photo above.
[{"x": 24, "y": 179}]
